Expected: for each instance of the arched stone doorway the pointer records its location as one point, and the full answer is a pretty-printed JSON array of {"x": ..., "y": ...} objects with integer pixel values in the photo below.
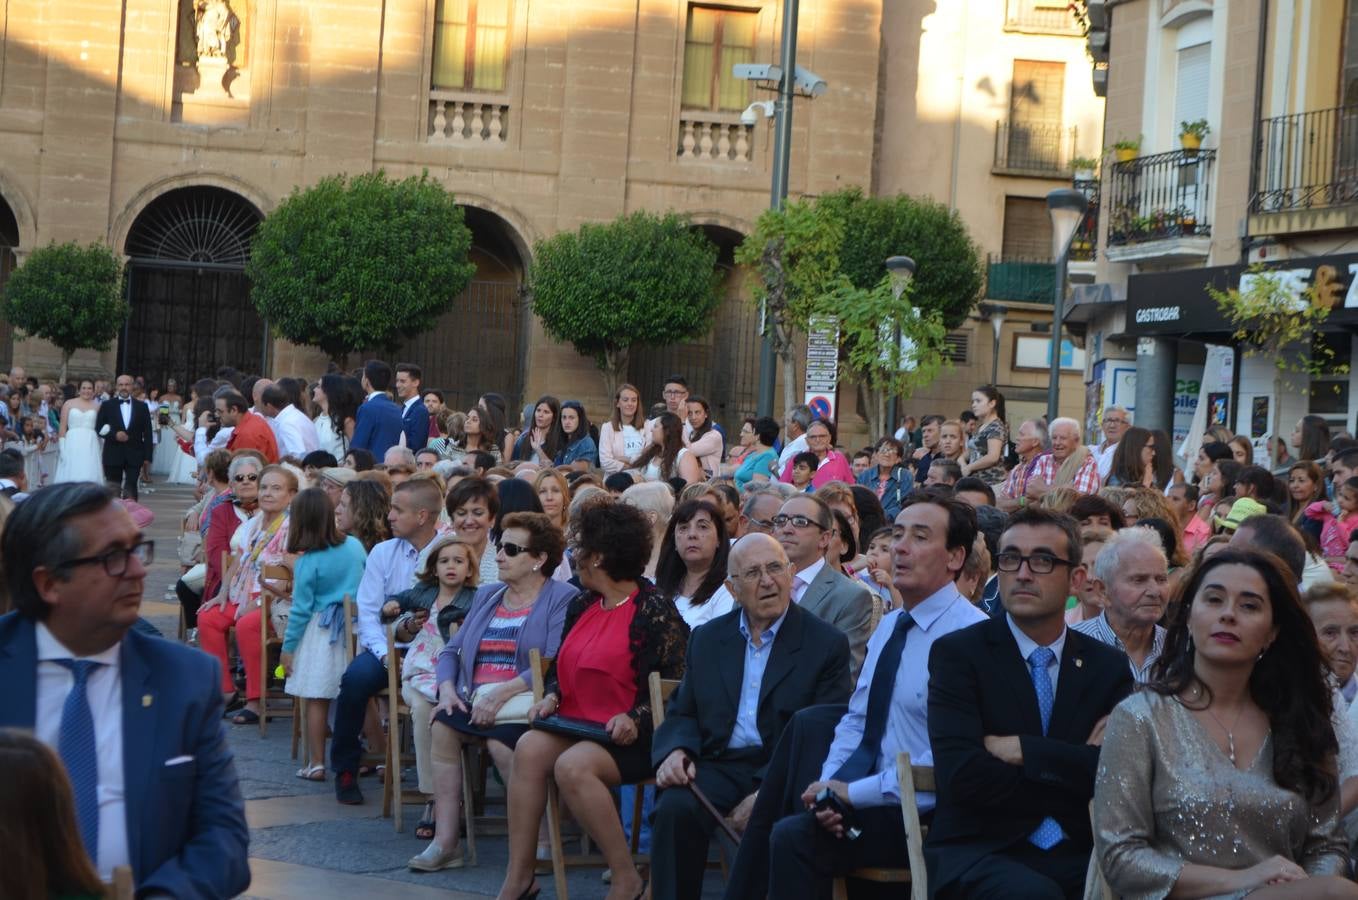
[
  {"x": 478, "y": 345},
  {"x": 723, "y": 365},
  {"x": 191, "y": 310},
  {"x": 9, "y": 242}
]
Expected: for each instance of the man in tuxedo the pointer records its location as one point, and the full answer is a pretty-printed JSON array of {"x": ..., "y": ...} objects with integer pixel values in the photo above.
[
  {"x": 803, "y": 527},
  {"x": 748, "y": 672},
  {"x": 125, "y": 426},
  {"x": 136, "y": 720},
  {"x": 1017, "y": 707},
  {"x": 414, "y": 414},
  {"x": 851, "y": 751},
  {"x": 378, "y": 424}
]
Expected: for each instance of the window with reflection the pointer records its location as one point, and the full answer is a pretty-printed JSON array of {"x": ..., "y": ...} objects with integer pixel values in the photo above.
[
  {"x": 715, "y": 40},
  {"x": 471, "y": 45}
]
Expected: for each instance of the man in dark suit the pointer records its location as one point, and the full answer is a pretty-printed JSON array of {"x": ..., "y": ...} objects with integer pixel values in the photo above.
[
  {"x": 135, "y": 719},
  {"x": 749, "y": 671},
  {"x": 125, "y": 425},
  {"x": 1017, "y": 706},
  {"x": 414, "y": 414},
  {"x": 378, "y": 425},
  {"x": 803, "y": 527}
]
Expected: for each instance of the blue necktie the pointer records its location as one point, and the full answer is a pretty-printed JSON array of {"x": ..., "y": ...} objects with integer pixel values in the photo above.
[
  {"x": 864, "y": 758},
  {"x": 1048, "y": 833},
  {"x": 75, "y": 743}
]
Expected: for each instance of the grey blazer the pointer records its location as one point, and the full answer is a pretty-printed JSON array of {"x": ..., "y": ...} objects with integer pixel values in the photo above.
[{"x": 845, "y": 604}]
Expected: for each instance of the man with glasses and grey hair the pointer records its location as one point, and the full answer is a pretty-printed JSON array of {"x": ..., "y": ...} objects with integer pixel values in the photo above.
[
  {"x": 771, "y": 659},
  {"x": 1116, "y": 421},
  {"x": 136, "y": 720},
  {"x": 762, "y": 502}
]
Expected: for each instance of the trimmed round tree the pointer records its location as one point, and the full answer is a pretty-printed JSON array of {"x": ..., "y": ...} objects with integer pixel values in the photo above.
[
  {"x": 69, "y": 295},
  {"x": 349, "y": 264},
  {"x": 640, "y": 280}
]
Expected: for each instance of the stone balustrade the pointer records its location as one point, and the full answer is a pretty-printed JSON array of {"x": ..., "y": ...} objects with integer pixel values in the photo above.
[
  {"x": 470, "y": 119},
  {"x": 714, "y": 137}
]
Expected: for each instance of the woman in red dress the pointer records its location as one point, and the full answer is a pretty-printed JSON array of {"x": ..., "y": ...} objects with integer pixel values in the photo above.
[{"x": 618, "y": 631}]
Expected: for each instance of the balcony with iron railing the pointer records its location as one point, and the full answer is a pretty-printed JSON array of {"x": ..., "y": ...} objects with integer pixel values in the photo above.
[
  {"x": 1160, "y": 206},
  {"x": 1306, "y": 173},
  {"x": 1041, "y": 17},
  {"x": 1033, "y": 150},
  {"x": 1019, "y": 279}
]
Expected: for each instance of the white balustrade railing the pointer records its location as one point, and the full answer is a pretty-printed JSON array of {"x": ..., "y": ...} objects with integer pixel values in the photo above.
[
  {"x": 715, "y": 137},
  {"x": 458, "y": 118}
]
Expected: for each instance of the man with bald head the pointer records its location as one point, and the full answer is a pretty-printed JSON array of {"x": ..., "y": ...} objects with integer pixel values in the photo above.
[
  {"x": 125, "y": 426},
  {"x": 748, "y": 672}
]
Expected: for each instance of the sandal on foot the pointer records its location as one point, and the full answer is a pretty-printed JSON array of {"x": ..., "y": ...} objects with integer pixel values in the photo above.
[
  {"x": 245, "y": 717},
  {"x": 436, "y": 859},
  {"x": 311, "y": 773},
  {"x": 425, "y": 829},
  {"x": 232, "y": 704}
]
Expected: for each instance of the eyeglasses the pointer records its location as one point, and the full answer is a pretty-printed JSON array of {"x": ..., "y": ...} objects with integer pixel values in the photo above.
[
  {"x": 818, "y": 436},
  {"x": 1114, "y": 421},
  {"x": 754, "y": 573},
  {"x": 241, "y": 479},
  {"x": 763, "y": 523},
  {"x": 797, "y": 522},
  {"x": 674, "y": 393},
  {"x": 1038, "y": 563},
  {"x": 115, "y": 561},
  {"x": 511, "y": 550}
]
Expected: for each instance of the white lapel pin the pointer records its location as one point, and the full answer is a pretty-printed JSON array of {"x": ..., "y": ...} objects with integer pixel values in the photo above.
[
  {"x": 1079, "y": 663},
  {"x": 145, "y": 700}
]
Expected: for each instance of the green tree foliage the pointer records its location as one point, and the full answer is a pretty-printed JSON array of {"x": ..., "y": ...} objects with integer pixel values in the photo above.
[
  {"x": 949, "y": 276},
  {"x": 69, "y": 295},
  {"x": 640, "y": 280},
  {"x": 881, "y": 366},
  {"x": 1280, "y": 320},
  {"x": 828, "y": 256},
  {"x": 349, "y": 264},
  {"x": 795, "y": 254}
]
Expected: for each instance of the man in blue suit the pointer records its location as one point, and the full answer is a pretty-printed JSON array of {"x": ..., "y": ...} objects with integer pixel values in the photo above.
[
  {"x": 378, "y": 425},
  {"x": 414, "y": 414},
  {"x": 135, "y": 719}
]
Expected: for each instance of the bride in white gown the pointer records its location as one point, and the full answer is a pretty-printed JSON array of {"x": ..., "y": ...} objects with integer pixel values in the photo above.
[{"x": 80, "y": 452}]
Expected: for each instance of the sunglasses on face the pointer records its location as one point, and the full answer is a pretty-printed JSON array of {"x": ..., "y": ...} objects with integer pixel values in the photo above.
[
  {"x": 510, "y": 550},
  {"x": 243, "y": 478}
]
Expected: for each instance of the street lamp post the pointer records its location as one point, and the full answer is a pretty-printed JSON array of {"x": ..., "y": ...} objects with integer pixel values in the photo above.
[
  {"x": 996, "y": 313},
  {"x": 1067, "y": 207},
  {"x": 902, "y": 270}
]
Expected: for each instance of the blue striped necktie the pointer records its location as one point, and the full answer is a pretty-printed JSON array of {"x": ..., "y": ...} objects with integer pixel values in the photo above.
[
  {"x": 1048, "y": 833},
  {"x": 75, "y": 743}
]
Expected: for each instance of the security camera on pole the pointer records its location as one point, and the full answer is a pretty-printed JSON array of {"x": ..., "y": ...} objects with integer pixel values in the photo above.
[{"x": 788, "y": 79}]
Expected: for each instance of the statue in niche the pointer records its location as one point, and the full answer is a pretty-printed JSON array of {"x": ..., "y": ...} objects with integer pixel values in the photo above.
[{"x": 217, "y": 26}]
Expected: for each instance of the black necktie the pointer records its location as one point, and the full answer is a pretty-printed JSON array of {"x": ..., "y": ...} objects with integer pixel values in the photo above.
[{"x": 863, "y": 759}]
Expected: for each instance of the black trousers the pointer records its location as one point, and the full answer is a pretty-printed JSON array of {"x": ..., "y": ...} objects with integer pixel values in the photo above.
[
  {"x": 796, "y": 762},
  {"x": 124, "y": 474},
  {"x": 681, "y": 829},
  {"x": 809, "y": 857},
  {"x": 1024, "y": 871},
  {"x": 190, "y": 601}
]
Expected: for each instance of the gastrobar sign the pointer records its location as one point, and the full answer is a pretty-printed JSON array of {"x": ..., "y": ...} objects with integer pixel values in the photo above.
[{"x": 1177, "y": 303}]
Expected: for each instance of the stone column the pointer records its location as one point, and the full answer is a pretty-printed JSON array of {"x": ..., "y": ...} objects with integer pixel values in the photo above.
[{"x": 1157, "y": 360}]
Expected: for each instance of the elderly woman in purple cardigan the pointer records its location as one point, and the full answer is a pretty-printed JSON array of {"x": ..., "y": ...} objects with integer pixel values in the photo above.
[{"x": 485, "y": 665}]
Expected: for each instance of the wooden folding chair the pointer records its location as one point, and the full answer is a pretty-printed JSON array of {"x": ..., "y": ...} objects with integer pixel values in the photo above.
[
  {"x": 1096, "y": 886},
  {"x": 394, "y": 795},
  {"x": 660, "y": 691},
  {"x": 270, "y": 646},
  {"x": 912, "y": 779},
  {"x": 121, "y": 887}
]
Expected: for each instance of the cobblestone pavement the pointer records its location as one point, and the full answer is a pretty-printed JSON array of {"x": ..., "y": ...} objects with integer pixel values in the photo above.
[{"x": 302, "y": 843}]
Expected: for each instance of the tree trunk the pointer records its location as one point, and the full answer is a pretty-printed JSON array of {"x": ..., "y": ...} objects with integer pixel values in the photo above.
[
  {"x": 614, "y": 369},
  {"x": 65, "y": 362}
]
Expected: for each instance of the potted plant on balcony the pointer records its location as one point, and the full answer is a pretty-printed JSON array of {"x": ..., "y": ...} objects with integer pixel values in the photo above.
[
  {"x": 1191, "y": 135},
  {"x": 1126, "y": 149},
  {"x": 1085, "y": 169},
  {"x": 1187, "y": 220}
]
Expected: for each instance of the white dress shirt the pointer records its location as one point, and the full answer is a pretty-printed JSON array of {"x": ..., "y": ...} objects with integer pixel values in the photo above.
[
  {"x": 104, "y": 691},
  {"x": 390, "y": 570},
  {"x": 1105, "y": 459},
  {"x": 802, "y": 580},
  {"x": 793, "y": 447},
  {"x": 125, "y": 407},
  {"x": 1027, "y": 645},
  {"x": 296, "y": 433},
  {"x": 907, "y": 726}
]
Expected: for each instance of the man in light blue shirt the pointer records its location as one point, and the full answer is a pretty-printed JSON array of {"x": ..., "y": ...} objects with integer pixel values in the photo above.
[
  {"x": 749, "y": 671},
  {"x": 390, "y": 569},
  {"x": 886, "y": 715}
]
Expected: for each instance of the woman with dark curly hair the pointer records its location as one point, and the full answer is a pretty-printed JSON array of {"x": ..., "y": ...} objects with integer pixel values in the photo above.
[
  {"x": 667, "y": 457},
  {"x": 618, "y": 630},
  {"x": 1221, "y": 778}
]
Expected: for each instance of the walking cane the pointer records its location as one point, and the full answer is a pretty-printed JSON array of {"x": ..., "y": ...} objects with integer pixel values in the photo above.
[{"x": 711, "y": 810}]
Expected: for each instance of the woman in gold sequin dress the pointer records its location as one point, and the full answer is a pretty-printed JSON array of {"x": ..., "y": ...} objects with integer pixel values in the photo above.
[{"x": 1219, "y": 779}]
